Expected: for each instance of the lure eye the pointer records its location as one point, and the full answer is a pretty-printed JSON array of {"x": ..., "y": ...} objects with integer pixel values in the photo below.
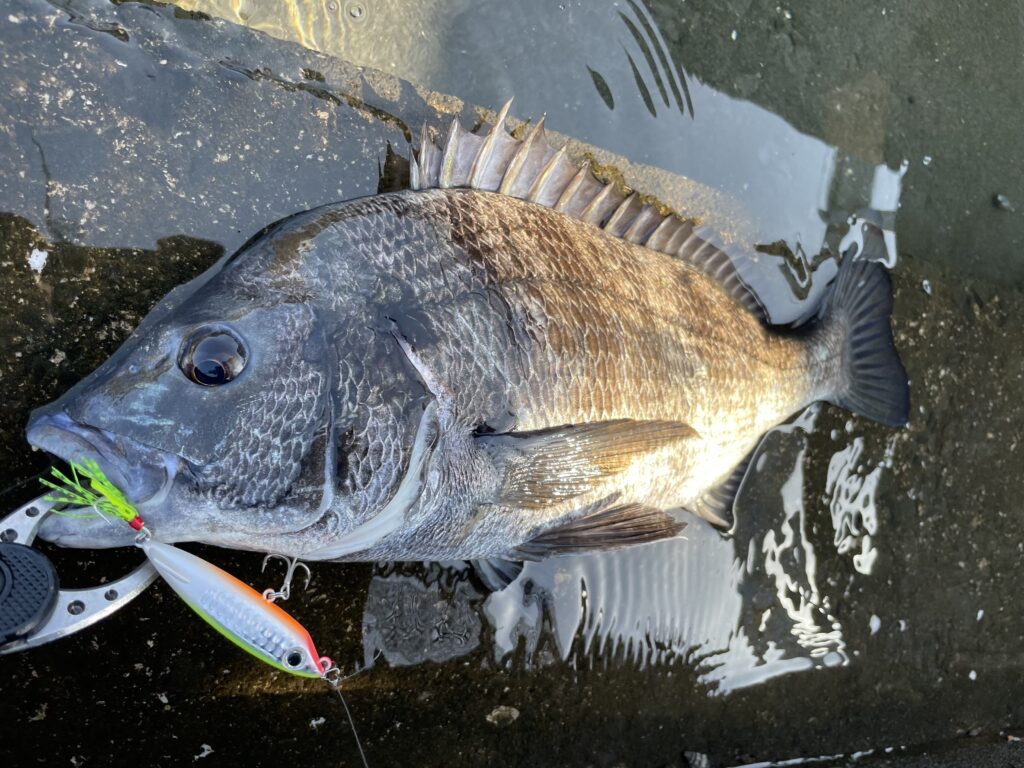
[
  {"x": 293, "y": 658},
  {"x": 212, "y": 356}
]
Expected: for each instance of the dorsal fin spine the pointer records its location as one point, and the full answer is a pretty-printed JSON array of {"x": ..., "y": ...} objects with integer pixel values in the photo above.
[
  {"x": 519, "y": 158},
  {"x": 532, "y": 170},
  {"x": 642, "y": 225},
  {"x": 662, "y": 234},
  {"x": 422, "y": 160},
  {"x": 477, "y": 173},
  {"x": 444, "y": 179},
  {"x": 623, "y": 215},
  {"x": 540, "y": 185},
  {"x": 572, "y": 188},
  {"x": 679, "y": 237},
  {"x": 690, "y": 246},
  {"x": 593, "y": 213},
  {"x": 414, "y": 175}
]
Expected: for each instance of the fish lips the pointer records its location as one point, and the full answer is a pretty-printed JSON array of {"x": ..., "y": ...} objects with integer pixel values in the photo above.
[{"x": 142, "y": 473}]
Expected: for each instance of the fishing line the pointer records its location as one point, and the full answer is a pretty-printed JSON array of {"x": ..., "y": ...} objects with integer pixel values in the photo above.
[
  {"x": 352, "y": 725},
  {"x": 335, "y": 681}
]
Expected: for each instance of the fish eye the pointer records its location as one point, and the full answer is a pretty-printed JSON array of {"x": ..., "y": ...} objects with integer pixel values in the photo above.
[
  {"x": 212, "y": 356},
  {"x": 293, "y": 658}
]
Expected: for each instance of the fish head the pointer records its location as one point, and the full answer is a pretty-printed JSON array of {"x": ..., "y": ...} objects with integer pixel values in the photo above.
[{"x": 210, "y": 417}]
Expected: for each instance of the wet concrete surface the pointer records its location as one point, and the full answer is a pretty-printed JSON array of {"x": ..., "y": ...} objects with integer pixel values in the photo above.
[
  {"x": 889, "y": 82},
  {"x": 112, "y": 167}
]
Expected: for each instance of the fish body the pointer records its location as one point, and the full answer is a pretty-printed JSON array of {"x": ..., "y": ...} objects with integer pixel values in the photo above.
[{"x": 508, "y": 361}]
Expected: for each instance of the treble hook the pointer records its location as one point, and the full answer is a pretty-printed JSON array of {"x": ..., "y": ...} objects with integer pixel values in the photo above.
[{"x": 285, "y": 591}]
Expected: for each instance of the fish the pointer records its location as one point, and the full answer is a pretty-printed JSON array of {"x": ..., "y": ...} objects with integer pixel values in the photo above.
[{"x": 509, "y": 360}]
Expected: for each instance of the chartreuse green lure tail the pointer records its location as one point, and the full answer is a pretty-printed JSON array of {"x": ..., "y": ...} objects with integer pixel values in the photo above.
[{"x": 101, "y": 494}]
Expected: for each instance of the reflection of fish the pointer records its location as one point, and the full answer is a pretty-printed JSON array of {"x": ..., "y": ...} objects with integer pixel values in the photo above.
[{"x": 530, "y": 366}]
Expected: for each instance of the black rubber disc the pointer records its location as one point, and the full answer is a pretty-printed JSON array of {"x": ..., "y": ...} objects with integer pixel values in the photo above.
[{"x": 28, "y": 590}]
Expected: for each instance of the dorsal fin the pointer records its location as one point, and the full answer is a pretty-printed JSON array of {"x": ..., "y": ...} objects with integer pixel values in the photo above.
[{"x": 530, "y": 169}]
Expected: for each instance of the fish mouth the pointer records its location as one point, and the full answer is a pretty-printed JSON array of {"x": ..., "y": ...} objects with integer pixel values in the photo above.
[
  {"x": 146, "y": 476},
  {"x": 143, "y": 474}
]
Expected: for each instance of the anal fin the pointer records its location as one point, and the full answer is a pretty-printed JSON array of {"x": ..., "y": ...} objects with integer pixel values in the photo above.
[
  {"x": 608, "y": 528},
  {"x": 497, "y": 573},
  {"x": 716, "y": 505}
]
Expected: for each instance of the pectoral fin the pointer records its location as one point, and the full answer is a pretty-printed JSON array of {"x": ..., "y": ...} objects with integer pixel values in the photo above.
[
  {"x": 550, "y": 466},
  {"x": 606, "y": 528}
]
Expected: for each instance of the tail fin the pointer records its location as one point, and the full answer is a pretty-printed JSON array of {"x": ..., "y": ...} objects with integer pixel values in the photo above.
[{"x": 873, "y": 381}]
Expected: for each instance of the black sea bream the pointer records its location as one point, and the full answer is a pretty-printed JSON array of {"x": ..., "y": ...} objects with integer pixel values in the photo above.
[{"x": 509, "y": 360}]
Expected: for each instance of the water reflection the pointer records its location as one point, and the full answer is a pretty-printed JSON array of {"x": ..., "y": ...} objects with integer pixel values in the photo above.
[
  {"x": 425, "y": 616},
  {"x": 738, "y": 609},
  {"x": 852, "y": 502},
  {"x": 776, "y": 189},
  {"x": 646, "y": 35}
]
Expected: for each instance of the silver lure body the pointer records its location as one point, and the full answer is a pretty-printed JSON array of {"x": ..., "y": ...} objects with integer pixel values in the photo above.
[{"x": 237, "y": 611}]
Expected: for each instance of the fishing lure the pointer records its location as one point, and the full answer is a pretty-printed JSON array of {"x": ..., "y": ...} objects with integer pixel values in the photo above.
[
  {"x": 238, "y": 611},
  {"x": 250, "y": 620}
]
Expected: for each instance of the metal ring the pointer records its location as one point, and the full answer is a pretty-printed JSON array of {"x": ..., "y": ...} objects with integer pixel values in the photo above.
[{"x": 332, "y": 672}]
